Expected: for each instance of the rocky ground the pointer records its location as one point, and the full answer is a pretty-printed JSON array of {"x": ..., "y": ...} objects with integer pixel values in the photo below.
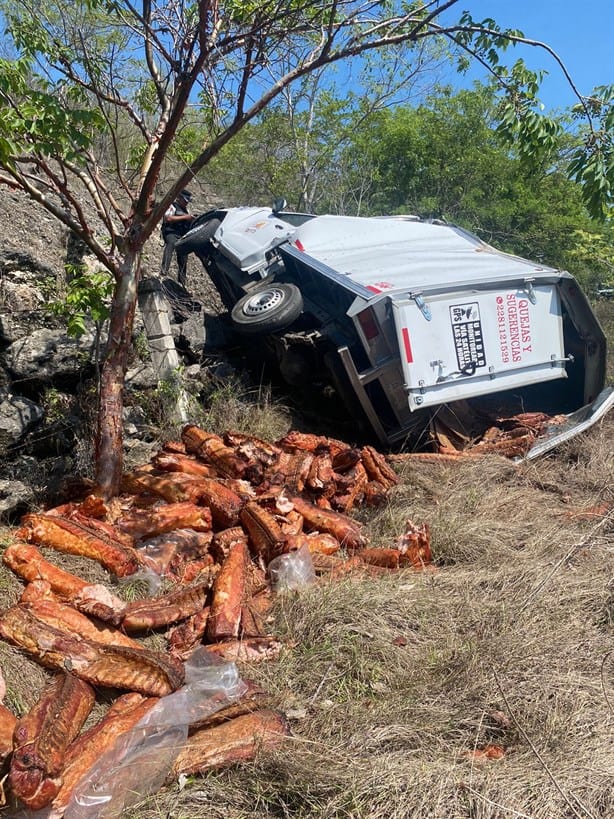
[{"x": 47, "y": 381}]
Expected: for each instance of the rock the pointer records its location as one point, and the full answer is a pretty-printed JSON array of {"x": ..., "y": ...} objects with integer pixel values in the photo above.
[
  {"x": 17, "y": 416},
  {"x": 137, "y": 453},
  {"x": 134, "y": 415},
  {"x": 24, "y": 310},
  {"x": 190, "y": 336},
  {"x": 199, "y": 333},
  {"x": 192, "y": 371},
  {"x": 21, "y": 266},
  {"x": 25, "y": 468},
  {"x": 54, "y": 438},
  {"x": 25, "y": 285},
  {"x": 50, "y": 357},
  {"x": 15, "y": 499},
  {"x": 135, "y": 422},
  {"x": 141, "y": 377},
  {"x": 32, "y": 240}
]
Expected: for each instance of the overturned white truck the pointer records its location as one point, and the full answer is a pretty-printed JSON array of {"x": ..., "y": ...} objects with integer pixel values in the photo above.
[{"x": 406, "y": 316}]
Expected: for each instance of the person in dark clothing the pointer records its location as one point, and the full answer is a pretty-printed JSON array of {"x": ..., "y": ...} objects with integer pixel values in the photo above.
[{"x": 176, "y": 222}]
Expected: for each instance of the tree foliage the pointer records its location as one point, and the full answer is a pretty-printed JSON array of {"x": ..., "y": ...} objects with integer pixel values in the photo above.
[
  {"x": 88, "y": 295},
  {"x": 447, "y": 159},
  {"x": 99, "y": 93},
  {"x": 592, "y": 163}
]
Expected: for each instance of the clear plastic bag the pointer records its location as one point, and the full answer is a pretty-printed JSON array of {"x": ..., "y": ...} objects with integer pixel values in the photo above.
[
  {"x": 134, "y": 768},
  {"x": 140, "y": 761},
  {"x": 146, "y": 575},
  {"x": 210, "y": 684},
  {"x": 157, "y": 553},
  {"x": 292, "y": 571}
]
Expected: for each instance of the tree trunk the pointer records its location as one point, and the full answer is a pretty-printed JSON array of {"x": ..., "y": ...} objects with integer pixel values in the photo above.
[{"x": 109, "y": 437}]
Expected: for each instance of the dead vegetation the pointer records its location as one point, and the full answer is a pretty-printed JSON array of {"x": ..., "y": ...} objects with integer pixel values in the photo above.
[{"x": 480, "y": 689}]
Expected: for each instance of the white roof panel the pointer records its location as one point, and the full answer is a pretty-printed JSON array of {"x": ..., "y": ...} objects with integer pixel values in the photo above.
[{"x": 391, "y": 254}]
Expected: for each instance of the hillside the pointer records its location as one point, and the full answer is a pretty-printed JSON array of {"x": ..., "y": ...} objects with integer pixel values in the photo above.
[{"x": 481, "y": 687}]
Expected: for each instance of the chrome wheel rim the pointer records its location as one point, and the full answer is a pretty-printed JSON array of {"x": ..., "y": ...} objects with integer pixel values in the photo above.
[{"x": 263, "y": 301}]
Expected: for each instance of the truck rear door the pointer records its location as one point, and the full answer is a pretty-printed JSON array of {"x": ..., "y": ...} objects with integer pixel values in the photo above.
[{"x": 467, "y": 343}]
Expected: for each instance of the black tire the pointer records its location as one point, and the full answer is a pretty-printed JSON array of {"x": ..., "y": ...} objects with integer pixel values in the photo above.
[
  {"x": 267, "y": 309},
  {"x": 197, "y": 238}
]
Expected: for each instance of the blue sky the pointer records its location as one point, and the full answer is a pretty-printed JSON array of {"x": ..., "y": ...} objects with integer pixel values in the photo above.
[{"x": 582, "y": 34}]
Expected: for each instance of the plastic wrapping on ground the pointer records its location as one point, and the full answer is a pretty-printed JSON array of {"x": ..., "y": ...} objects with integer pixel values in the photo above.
[
  {"x": 292, "y": 571},
  {"x": 158, "y": 552},
  {"x": 147, "y": 575},
  {"x": 140, "y": 761},
  {"x": 134, "y": 768}
]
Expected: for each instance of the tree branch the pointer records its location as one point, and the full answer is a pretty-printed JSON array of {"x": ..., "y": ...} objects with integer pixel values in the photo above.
[{"x": 149, "y": 56}]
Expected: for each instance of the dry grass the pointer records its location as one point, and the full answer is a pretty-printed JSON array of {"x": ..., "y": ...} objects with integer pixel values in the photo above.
[
  {"x": 254, "y": 410},
  {"x": 387, "y": 730},
  {"x": 392, "y": 684}
]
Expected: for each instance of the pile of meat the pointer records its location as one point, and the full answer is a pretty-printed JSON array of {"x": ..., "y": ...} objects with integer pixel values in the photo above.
[
  {"x": 208, "y": 515},
  {"x": 513, "y": 436},
  {"x": 510, "y": 436}
]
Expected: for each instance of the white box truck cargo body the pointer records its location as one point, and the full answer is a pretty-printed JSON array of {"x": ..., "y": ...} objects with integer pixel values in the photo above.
[
  {"x": 445, "y": 317},
  {"x": 409, "y": 315}
]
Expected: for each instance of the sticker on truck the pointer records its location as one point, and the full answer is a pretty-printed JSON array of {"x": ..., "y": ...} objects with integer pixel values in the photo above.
[
  {"x": 468, "y": 335},
  {"x": 514, "y": 328}
]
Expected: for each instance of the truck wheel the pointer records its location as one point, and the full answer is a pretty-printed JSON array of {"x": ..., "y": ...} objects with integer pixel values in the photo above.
[
  {"x": 267, "y": 309},
  {"x": 197, "y": 238}
]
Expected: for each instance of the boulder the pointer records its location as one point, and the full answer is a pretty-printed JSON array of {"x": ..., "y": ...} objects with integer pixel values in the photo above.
[
  {"x": 15, "y": 499},
  {"x": 141, "y": 377},
  {"x": 25, "y": 284},
  {"x": 49, "y": 357},
  {"x": 17, "y": 417}
]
